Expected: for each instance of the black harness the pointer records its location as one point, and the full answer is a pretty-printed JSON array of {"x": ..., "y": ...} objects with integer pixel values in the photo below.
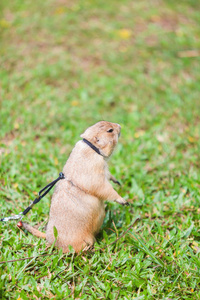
[{"x": 92, "y": 146}]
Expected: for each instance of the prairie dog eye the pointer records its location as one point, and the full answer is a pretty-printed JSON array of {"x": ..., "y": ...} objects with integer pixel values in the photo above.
[{"x": 110, "y": 130}]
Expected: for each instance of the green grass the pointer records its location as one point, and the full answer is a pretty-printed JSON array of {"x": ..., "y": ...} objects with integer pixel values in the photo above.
[{"x": 65, "y": 66}]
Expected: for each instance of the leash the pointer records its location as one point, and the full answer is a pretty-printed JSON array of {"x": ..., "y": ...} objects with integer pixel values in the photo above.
[
  {"x": 41, "y": 194},
  {"x": 45, "y": 190}
]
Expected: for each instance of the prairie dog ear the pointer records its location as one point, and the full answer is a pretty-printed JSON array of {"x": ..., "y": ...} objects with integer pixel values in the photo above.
[
  {"x": 82, "y": 136},
  {"x": 86, "y": 134}
]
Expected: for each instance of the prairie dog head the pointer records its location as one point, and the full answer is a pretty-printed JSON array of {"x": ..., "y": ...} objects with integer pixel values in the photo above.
[{"x": 104, "y": 135}]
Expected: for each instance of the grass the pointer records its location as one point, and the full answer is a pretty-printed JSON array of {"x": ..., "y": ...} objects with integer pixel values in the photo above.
[{"x": 65, "y": 66}]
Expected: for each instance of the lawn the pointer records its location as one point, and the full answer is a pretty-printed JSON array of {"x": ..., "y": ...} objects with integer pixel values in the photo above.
[{"x": 64, "y": 66}]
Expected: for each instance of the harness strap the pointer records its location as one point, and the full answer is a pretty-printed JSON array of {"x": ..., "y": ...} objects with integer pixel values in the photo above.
[{"x": 92, "y": 146}]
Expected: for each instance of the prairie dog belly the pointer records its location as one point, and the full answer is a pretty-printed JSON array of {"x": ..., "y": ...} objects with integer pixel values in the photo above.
[{"x": 76, "y": 215}]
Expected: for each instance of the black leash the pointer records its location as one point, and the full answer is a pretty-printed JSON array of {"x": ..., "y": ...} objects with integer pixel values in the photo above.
[{"x": 41, "y": 194}]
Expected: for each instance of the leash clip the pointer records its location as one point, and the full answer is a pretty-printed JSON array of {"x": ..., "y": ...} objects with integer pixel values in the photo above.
[{"x": 15, "y": 217}]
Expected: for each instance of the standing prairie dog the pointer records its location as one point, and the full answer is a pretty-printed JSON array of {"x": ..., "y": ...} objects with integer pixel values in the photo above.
[{"x": 77, "y": 205}]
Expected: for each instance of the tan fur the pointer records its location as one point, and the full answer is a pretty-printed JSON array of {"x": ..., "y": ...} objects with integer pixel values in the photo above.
[
  {"x": 77, "y": 206},
  {"x": 33, "y": 230}
]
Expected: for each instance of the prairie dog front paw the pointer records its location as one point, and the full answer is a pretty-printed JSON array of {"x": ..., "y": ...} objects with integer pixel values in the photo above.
[{"x": 122, "y": 201}]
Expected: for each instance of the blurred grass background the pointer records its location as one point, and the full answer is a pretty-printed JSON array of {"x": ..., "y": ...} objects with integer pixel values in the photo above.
[{"x": 68, "y": 64}]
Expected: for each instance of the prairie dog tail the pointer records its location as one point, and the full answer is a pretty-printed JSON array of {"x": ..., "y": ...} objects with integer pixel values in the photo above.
[{"x": 33, "y": 230}]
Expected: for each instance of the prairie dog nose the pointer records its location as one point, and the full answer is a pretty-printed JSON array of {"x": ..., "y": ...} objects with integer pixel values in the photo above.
[{"x": 119, "y": 129}]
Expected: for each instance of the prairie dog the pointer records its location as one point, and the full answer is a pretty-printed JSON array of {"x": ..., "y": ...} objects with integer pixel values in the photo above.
[{"x": 77, "y": 205}]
